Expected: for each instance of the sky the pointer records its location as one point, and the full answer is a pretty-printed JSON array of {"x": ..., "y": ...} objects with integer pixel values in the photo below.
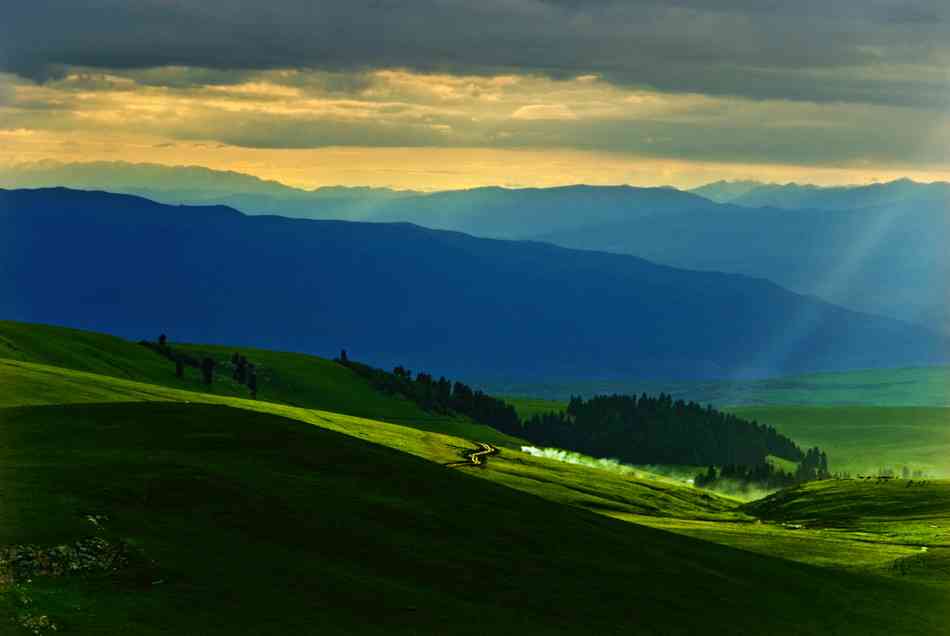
[{"x": 437, "y": 94}]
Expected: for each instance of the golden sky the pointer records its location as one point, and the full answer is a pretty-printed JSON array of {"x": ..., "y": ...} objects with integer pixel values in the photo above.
[
  {"x": 439, "y": 94},
  {"x": 437, "y": 131}
]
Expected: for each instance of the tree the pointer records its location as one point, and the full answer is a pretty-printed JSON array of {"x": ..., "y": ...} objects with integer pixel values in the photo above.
[
  {"x": 207, "y": 370},
  {"x": 240, "y": 373},
  {"x": 179, "y": 368},
  {"x": 252, "y": 381},
  {"x": 162, "y": 340},
  {"x": 343, "y": 357}
]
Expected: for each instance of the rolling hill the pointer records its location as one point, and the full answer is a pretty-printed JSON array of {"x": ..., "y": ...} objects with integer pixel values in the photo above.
[
  {"x": 287, "y": 378},
  {"x": 239, "y": 515},
  {"x": 249, "y": 471},
  {"x": 398, "y": 293},
  {"x": 248, "y": 522}
]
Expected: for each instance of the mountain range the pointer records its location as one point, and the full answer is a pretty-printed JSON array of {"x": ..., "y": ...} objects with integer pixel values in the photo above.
[
  {"x": 399, "y": 293},
  {"x": 877, "y": 249},
  {"x": 793, "y": 196}
]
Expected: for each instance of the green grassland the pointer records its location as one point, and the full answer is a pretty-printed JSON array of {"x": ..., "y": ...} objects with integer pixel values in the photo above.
[
  {"x": 920, "y": 386},
  {"x": 253, "y": 523},
  {"x": 32, "y": 384},
  {"x": 326, "y": 507},
  {"x": 862, "y": 439},
  {"x": 287, "y": 378},
  {"x": 858, "y": 439},
  {"x": 924, "y": 386},
  {"x": 528, "y": 407}
]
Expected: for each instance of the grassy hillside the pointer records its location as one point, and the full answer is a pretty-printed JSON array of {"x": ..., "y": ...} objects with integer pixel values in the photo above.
[
  {"x": 359, "y": 518},
  {"x": 287, "y": 378},
  {"x": 858, "y": 503},
  {"x": 528, "y": 407},
  {"x": 864, "y": 439},
  {"x": 913, "y": 515},
  {"x": 23, "y": 383},
  {"x": 245, "y": 522}
]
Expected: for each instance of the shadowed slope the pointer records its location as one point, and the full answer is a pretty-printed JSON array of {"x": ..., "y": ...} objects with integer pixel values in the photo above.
[{"x": 265, "y": 525}]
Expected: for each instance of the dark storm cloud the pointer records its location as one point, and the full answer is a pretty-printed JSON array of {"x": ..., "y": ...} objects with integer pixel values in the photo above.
[{"x": 805, "y": 50}]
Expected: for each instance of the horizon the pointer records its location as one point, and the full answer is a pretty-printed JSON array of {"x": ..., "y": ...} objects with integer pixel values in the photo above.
[{"x": 56, "y": 163}]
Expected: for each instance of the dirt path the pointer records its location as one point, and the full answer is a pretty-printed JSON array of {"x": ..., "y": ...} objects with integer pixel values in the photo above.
[{"x": 477, "y": 457}]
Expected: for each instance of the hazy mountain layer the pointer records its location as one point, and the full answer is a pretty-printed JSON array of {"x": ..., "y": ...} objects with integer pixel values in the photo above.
[
  {"x": 878, "y": 249},
  {"x": 443, "y": 301}
]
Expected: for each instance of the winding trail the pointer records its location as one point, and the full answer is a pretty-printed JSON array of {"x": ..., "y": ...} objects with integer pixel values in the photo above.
[{"x": 477, "y": 457}]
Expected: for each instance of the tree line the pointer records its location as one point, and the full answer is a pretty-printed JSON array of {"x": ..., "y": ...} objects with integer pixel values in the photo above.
[
  {"x": 659, "y": 430},
  {"x": 637, "y": 430},
  {"x": 242, "y": 371},
  {"x": 814, "y": 465},
  {"x": 439, "y": 395}
]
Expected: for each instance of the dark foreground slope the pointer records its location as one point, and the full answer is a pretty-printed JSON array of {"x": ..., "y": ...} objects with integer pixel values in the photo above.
[
  {"x": 395, "y": 293},
  {"x": 250, "y": 523}
]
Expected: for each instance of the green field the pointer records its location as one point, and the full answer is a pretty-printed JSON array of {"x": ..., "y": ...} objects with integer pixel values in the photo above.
[
  {"x": 251, "y": 523},
  {"x": 300, "y": 512},
  {"x": 286, "y": 378},
  {"x": 858, "y": 439},
  {"x": 863, "y": 439},
  {"x": 529, "y": 407},
  {"x": 32, "y": 384},
  {"x": 926, "y": 386}
]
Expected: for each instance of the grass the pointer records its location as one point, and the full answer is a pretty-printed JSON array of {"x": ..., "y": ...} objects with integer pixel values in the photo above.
[
  {"x": 923, "y": 386},
  {"x": 913, "y": 515},
  {"x": 306, "y": 512},
  {"x": 858, "y": 439},
  {"x": 31, "y": 384},
  {"x": 861, "y": 439},
  {"x": 266, "y": 525},
  {"x": 892, "y": 529},
  {"x": 286, "y": 378},
  {"x": 528, "y": 407},
  {"x": 857, "y": 503}
]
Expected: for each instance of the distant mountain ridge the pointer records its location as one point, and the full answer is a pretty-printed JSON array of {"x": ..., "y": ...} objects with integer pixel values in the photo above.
[
  {"x": 726, "y": 191},
  {"x": 394, "y": 293},
  {"x": 879, "y": 249},
  {"x": 197, "y": 185},
  {"x": 794, "y": 196}
]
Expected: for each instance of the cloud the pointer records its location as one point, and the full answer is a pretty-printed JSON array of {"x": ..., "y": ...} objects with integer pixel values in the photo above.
[
  {"x": 7, "y": 94},
  {"x": 810, "y": 50},
  {"x": 296, "y": 109},
  {"x": 544, "y": 112}
]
